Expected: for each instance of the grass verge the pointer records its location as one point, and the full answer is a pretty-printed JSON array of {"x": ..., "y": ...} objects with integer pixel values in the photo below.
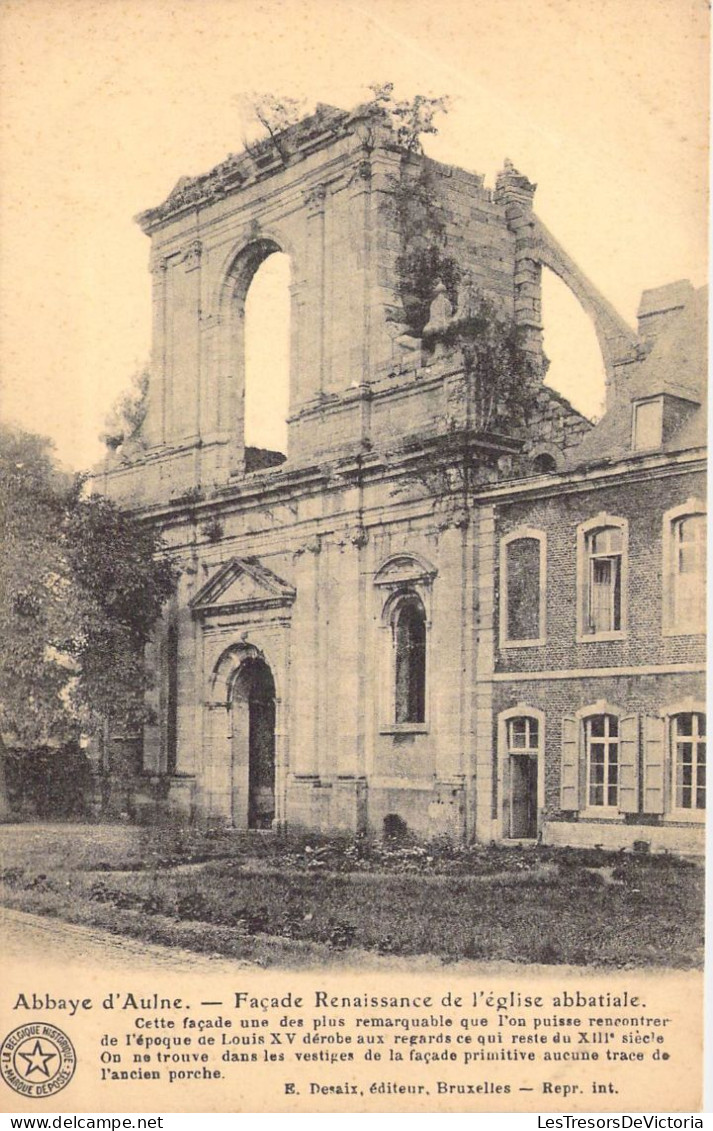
[{"x": 222, "y": 893}]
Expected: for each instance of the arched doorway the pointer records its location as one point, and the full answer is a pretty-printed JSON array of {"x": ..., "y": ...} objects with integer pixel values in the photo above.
[{"x": 253, "y": 745}]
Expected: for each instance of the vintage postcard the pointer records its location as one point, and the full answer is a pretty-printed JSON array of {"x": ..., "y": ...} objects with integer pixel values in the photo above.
[{"x": 352, "y": 683}]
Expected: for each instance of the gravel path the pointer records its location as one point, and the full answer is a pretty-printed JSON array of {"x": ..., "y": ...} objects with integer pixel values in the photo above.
[{"x": 29, "y": 939}]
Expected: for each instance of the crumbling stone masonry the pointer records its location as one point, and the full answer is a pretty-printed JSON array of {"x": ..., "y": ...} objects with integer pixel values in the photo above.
[{"x": 328, "y": 660}]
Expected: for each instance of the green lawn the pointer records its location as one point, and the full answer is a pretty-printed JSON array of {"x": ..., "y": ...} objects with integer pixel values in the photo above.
[{"x": 227, "y": 891}]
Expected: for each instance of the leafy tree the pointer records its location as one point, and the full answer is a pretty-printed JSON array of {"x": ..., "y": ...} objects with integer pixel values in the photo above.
[
  {"x": 121, "y": 579},
  {"x": 267, "y": 117},
  {"x": 81, "y": 587},
  {"x": 128, "y": 412},
  {"x": 409, "y": 118},
  {"x": 34, "y": 615}
]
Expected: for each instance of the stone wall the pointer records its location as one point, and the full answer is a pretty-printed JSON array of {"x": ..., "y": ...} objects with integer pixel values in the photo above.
[{"x": 389, "y": 491}]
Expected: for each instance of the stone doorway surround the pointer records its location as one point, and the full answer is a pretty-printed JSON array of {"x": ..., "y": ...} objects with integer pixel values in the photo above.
[{"x": 244, "y": 616}]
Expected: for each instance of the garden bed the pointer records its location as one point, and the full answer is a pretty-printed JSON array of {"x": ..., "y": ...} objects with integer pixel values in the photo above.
[{"x": 534, "y": 905}]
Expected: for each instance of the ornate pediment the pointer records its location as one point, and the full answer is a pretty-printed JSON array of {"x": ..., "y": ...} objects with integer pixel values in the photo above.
[
  {"x": 242, "y": 584},
  {"x": 404, "y": 568}
]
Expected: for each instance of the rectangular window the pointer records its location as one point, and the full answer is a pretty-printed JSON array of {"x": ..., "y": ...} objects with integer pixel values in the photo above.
[
  {"x": 688, "y": 740},
  {"x": 602, "y": 743},
  {"x": 648, "y": 425},
  {"x": 604, "y": 551},
  {"x": 689, "y": 564}
]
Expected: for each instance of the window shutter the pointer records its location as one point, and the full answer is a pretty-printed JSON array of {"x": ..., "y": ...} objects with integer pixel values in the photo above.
[
  {"x": 653, "y": 764},
  {"x": 629, "y": 764},
  {"x": 569, "y": 780}
]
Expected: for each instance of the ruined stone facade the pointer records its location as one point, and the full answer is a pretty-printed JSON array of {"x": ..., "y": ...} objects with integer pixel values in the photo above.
[{"x": 330, "y": 660}]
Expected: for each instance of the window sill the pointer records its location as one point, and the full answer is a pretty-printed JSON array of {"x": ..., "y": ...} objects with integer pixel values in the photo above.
[
  {"x": 403, "y": 728},
  {"x": 690, "y": 816},
  {"x": 596, "y": 637},
  {"x": 522, "y": 643},
  {"x": 601, "y": 813}
]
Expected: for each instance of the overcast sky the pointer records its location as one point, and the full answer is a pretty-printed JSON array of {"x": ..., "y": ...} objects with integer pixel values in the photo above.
[{"x": 106, "y": 104}]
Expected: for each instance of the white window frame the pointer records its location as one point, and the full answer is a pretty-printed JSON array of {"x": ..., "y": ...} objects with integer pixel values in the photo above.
[
  {"x": 519, "y": 711},
  {"x": 517, "y": 535},
  {"x": 692, "y": 508},
  {"x": 584, "y": 531},
  {"x": 584, "y": 716},
  {"x": 687, "y": 706}
]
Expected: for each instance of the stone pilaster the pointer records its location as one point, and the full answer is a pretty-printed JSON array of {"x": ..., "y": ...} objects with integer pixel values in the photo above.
[{"x": 485, "y": 660}]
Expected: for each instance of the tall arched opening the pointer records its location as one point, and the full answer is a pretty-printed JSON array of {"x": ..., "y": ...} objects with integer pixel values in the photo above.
[
  {"x": 253, "y": 745},
  {"x": 267, "y": 352}
]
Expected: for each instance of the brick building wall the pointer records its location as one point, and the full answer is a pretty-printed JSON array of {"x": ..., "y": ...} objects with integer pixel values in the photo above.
[
  {"x": 660, "y": 674},
  {"x": 642, "y": 504}
]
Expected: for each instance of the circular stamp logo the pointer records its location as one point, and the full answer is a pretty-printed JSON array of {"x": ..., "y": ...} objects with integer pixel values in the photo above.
[{"x": 37, "y": 1060}]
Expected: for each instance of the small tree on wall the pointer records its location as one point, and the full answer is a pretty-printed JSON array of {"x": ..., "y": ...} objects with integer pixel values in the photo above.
[
  {"x": 415, "y": 207},
  {"x": 128, "y": 412},
  {"x": 267, "y": 117},
  {"x": 502, "y": 377},
  {"x": 409, "y": 118}
]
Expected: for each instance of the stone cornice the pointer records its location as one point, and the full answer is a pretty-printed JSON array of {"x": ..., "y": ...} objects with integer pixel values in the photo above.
[
  {"x": 240, "y": 170},
  {"x": 274, "y": 485},
  {"x": 592, "y": 478}
]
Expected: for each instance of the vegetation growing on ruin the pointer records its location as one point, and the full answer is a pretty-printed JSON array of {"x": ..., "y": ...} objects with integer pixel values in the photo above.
[
  {"x": 409, "y": 118},
  {"x": 128, "y": 411},
  {"x": 267, "y": 117},
  {"x": 501, "y": 375}
]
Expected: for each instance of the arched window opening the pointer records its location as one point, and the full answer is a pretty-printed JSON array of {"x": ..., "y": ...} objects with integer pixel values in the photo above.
[
  {"x": 410, "y": 661},
  {"x": 570, "y": 342},
  {"x": 522, "y": 608},
  {"x": 172, "y": 659},
  {"x": 544, "y": 463},
  {"x": 253, "y": 700},
  {"x": 267, "y": 360},
  {"x": 604, "y": 553}
]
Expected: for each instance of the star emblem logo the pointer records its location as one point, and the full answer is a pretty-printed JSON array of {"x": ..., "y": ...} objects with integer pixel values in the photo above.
[{"x": 37, "y": 1060}]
